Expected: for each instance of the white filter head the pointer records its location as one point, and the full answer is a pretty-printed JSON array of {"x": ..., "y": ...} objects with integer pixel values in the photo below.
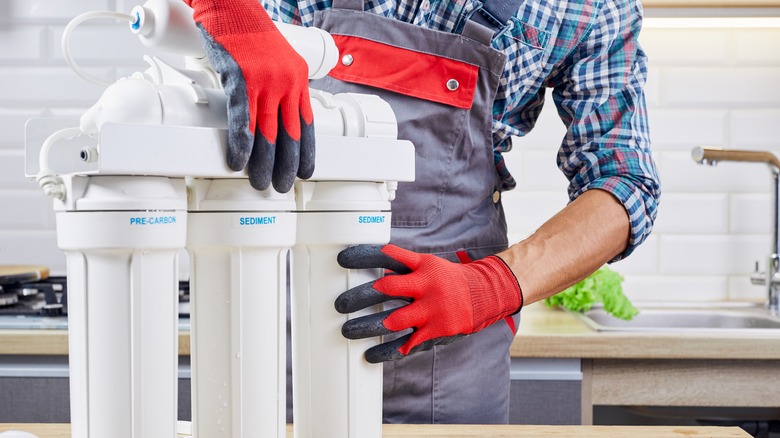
[
  {"x": 168, "y": 25},
  {"x": 130, "y": 100}
]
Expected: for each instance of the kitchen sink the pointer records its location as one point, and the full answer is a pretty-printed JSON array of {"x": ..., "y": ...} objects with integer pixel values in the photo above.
[{"x": 687, "y": 317}]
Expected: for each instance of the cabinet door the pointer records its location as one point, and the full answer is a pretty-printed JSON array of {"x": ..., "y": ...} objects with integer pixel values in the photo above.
[{"x": 546, "y": 391}]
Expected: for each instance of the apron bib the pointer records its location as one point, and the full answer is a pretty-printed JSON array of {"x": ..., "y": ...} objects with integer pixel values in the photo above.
[{"x": 441, "y": 87}]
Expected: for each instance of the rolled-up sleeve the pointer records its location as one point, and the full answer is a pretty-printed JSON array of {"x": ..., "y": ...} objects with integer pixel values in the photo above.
[{"x": 598, "y": 91}]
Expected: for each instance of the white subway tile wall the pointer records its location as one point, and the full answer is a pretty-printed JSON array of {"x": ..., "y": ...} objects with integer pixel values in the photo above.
[
  {"x": 717, "y": 87},
  {"x": 713, "y": 87}
]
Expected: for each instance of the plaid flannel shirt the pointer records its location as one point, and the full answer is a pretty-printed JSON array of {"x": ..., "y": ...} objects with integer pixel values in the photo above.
[{"x": 586, "y": 52}]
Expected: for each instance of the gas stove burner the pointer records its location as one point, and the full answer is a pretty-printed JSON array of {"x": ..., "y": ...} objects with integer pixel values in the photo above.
[
  {"x": 53, "y": 310},
  {"x": 8, "y": 298},
  {"x": 32, "y": 289},
  {"x": 184, "y": 291},
  {"x": 27, "y": 291},
  {"x": 46, "y": 297},
  {"x": 22, "y": 290},
  {"x": 49, "y": 298}
]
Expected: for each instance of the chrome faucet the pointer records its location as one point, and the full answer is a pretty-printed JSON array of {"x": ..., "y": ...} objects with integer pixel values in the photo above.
[{"x": 771, "y": 277}]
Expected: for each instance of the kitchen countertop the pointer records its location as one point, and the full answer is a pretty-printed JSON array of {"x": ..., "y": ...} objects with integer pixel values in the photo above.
[
  {"x": 543, "y": 332},
  {"x": 553, "y": 333},
  {"x": 443, "y": 431}
]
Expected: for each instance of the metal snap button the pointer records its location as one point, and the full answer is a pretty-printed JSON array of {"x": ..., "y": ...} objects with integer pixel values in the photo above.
[
  {"x": 452, "y": 85},
  {"x": 496, "y": 197},
  {"x": 347, "y": 60}
]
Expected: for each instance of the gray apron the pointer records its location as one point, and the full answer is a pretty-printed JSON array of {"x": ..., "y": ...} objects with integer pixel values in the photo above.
[{"x": 453, "y": 208}]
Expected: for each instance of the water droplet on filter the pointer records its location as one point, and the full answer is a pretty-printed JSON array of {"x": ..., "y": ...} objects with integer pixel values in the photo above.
[
  {"x": 238, "y": 355},
  {"x": 224, "y": 404}
]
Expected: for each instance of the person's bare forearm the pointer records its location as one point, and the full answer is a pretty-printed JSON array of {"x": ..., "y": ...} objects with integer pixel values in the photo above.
[{"x": 589, "y": 232}]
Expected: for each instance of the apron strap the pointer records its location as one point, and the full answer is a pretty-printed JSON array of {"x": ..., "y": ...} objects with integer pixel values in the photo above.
[
  {"x": 477, "y": 32},
  {"x": 355, "y": 5},
  {"x": 495, "y": 14},
  {"x": 483, "y": 25}
]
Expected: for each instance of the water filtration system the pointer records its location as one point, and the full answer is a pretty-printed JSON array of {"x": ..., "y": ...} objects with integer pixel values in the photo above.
[{"x": 142, "y": 177}]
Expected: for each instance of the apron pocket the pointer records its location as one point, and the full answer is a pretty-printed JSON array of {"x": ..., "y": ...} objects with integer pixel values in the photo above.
[{"x": 404, "y": 71}]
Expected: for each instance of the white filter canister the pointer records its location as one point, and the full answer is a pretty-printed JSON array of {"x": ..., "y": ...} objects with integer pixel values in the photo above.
[
  {"x": 123, "y": 310},
  {"x": 336, "y": 393},
  {"x": 238, "y": 240}
]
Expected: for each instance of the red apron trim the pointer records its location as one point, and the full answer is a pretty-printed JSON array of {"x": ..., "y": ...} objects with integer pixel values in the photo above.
[
  {"x": 511, "y": 323},
  {"x": 464, "y": 258},
  {"x": 406, "y": 72}
]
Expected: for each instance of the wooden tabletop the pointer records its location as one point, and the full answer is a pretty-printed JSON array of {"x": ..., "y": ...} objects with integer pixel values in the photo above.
[
  {"x": 462, "y": 431},
  {"x": 20, "y": 274}
]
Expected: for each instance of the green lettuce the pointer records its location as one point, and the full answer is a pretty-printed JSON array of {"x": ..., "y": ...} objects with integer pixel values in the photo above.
[{"x": 603, "y": 286}]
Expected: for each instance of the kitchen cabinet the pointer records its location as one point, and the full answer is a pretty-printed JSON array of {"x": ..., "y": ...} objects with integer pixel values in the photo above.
[
  {"x": 545, "y": 391},
  {"x": 657, "y": 382},
  {"x": 655, "y": 369},
  {"x": 35, "y": 388},
  {"x": 561, "y": 368}
]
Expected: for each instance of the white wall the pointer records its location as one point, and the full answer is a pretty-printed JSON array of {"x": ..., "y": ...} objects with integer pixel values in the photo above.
[
  {"x": 719, "y": 87},
  {"x": 34, "y": 81}
]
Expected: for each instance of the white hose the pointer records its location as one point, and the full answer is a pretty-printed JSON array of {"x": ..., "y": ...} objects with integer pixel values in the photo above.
[
  {"x": 66, "y": 41},
  {"x": 48, "y": 181}
]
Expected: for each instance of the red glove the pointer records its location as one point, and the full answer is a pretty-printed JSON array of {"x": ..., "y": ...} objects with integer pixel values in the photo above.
[
  {"x": 447, "y": 300},
  {"x": 271, "y": 130}
]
